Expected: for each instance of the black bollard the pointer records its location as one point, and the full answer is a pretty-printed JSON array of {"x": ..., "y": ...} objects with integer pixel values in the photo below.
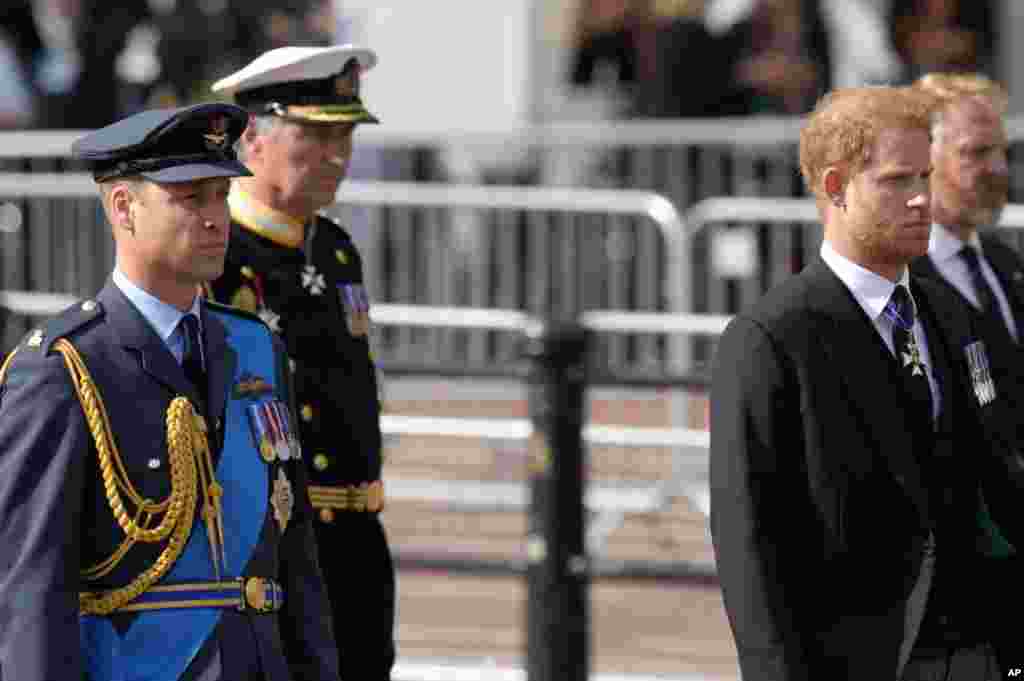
[{"x": 557, "y": 612}]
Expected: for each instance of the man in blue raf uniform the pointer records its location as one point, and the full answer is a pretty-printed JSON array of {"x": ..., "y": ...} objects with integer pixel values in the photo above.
[
  {"x": 154, "y": 505},
  {"x": 302, "y": 274}
]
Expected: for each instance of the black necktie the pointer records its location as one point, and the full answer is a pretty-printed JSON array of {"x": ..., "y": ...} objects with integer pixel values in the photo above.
[
  {"x": 989, "y": 307},
  {"x": 900, "y": 311},
  {"x": 192, "y": 357}
]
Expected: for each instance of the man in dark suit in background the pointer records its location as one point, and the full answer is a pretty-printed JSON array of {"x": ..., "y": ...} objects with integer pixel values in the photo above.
[
  {"x": 852, "y": 433},
  {"x": 969, "y": 191},
  {"x": 970, "y": 183}
]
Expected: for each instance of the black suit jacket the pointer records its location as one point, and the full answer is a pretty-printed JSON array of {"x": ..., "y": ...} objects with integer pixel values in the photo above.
[
  {"x": 820, "y": 507},
  {"x": 56, "y": 518},
  {"x": 1006, "y": 356}
]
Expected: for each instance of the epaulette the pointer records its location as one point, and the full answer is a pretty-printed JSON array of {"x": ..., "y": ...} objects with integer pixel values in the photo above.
[
  {"x": 335, "y": 224},
  {"x": 62, "y": 325}
]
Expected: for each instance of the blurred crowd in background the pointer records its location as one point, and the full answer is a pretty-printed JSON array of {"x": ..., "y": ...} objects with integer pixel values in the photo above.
[
  {"x": 682, "y": 58},
  {"x": 83, "y": 63}
]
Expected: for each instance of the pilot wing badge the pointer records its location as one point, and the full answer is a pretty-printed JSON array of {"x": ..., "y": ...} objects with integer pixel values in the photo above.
[{"x": 981, "y": 375}]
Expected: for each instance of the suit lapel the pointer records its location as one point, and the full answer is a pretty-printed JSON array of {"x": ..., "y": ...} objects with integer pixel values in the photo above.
[
  {"x": 136, "y": 334},
  {"x": 924, "y": 268},
  {"x": 858, "y": 356},
  {"x": 943, "y": 356},
  {"x": 220, "y": 367},
  {"x": 1008, "y": 270}
]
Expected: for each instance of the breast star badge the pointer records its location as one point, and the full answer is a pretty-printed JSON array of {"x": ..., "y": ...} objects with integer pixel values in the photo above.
[
  {"x": 313, "y": 281},
  {"x": 282, "y": 500},
  {"x": 913, "y": 359}
]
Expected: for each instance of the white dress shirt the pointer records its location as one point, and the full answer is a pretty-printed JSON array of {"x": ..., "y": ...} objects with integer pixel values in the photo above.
[
  {"x": 873, "y": 292},
  {"x": 944, "y": 249}
]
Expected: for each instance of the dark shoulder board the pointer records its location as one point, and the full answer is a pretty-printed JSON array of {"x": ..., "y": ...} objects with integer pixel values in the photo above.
[
  {"x": 325, "y": 222},
  {"x": 65, "y": 324}
]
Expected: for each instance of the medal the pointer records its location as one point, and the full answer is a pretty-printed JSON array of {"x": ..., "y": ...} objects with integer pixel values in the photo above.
[
  {"x": 261, "y": 432},
  {"x": 278, "y": 439},
  {"x": 356, "y": 305},
  {"x": 912, "y": 358},
  {"x": 981, "y": 376},
  {"x": 284, "y": 425}
]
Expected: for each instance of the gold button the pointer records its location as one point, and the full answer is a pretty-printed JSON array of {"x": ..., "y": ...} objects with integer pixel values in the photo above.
[
  {"x": 327, "y": 515},
  {"x": 247, "y": 272},
  {"x": 321, "y": 462},
  {"x": 307, "y": 412},
  {"x": 256, "y": 593}
]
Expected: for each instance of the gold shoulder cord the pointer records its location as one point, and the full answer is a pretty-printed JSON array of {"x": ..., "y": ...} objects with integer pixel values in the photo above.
[{"x": 189, "y": 461}]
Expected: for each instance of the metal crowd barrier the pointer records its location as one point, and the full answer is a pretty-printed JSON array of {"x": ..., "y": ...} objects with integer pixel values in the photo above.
[
  {"x": 551, "y": 252},
  {"x": 437, "y": 257},
  {"x": 741, "y": 216}
]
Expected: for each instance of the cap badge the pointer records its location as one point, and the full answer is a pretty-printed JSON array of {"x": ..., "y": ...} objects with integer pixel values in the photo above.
[
  {"x": 346, "y": 84},
  {"x": 217, "y": 138}
]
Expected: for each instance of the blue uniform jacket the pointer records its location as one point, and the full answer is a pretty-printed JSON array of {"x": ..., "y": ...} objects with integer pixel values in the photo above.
[{"x": 56, "y": 518}]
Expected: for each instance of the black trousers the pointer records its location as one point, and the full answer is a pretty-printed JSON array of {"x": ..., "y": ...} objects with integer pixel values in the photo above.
[{"x": 360, "y": 577}]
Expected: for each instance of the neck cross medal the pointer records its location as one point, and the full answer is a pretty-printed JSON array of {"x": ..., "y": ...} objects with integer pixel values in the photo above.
[{"x": 912, "y": 357}]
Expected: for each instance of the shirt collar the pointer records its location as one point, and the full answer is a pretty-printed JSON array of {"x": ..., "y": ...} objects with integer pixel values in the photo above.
[
  {"x": 871, "y": 291},
  {"x": 943, "y": 245},
  {"x": 163, "y": 317}
]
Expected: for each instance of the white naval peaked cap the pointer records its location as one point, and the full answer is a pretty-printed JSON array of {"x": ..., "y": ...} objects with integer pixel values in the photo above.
[
  {"x": 314, "y": 84},
  {"x": 286, "y": 64}
]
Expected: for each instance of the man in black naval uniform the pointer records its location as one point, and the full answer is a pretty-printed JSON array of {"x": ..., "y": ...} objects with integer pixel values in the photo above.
[
  {"x": 302, "y": 274},
  {"x": 156, "y": 525}
]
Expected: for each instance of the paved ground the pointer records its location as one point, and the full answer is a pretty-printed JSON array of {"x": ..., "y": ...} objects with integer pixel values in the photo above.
[{"x": 637, "y": 627}]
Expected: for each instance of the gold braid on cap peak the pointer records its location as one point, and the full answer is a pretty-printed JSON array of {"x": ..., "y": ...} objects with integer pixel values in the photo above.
[{"x": 190, "y": 466}]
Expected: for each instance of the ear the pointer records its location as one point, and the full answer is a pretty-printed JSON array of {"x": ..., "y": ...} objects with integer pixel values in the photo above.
[
  {"x": 252, "y": 140},
  {"x": 834, "y": 182},
  {"x": 122, "y": 201}
]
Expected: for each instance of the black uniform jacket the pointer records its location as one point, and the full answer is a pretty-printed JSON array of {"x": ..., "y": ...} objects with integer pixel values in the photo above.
[
  {"x": 309, "y": 289},
  {"x": 314, "y": 298}
]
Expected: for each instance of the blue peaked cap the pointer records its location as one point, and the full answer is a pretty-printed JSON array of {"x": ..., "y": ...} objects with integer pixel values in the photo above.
[{"x": 167, "y": 145}]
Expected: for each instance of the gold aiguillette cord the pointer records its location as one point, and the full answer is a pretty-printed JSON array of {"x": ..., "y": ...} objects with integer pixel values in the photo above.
[{"x": 213, "y": 513}]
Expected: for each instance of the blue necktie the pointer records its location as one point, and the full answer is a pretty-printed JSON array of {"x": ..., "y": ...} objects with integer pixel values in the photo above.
[
  {"x": 986, "y": 296},
  {"x": 192, "y": 357}
]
